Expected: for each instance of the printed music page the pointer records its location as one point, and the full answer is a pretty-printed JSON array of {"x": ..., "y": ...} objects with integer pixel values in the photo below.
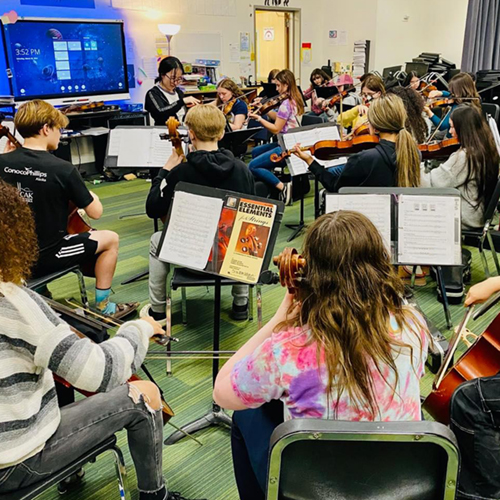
[
  {"x": 191, "y": 230},
  {"x": 250, "y": 230},
  {"x": 134, "y": 147},
  {"x": 161, "y": 150},
  {"x": 307, "y": 138},
  {"x": 377, "y": 207},
  {"x": 429, "y": 230}
]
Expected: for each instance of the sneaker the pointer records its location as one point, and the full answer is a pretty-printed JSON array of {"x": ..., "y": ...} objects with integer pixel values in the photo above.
[
  {"x": 286, "y": 193},
  {"x": 239, "y": 313},
  {"x": 70, "y": 482},
  {"x": 159, "y": 317},
  {"x": 175, "y": 495}
]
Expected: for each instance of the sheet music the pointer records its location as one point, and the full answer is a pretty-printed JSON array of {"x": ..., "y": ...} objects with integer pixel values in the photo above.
[
  {"x": 307, "y": 138},
  {"x": 429, "y": 230},
  {"x": 160, "y": 150},
  {"x": 135, "y": 145},
  {"x": 191, "y": 230},
  {"x": 114, "y": 138},
  {"x": 376, "y": 207}
]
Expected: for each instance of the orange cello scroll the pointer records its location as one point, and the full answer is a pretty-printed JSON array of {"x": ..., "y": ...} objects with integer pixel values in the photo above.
[
  {"x": 292, "y": 268},
  {"x": 173, "y": 132}
]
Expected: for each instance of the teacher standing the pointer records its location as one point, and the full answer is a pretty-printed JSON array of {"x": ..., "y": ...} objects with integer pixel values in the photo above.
[{"x": 165, "y": 99}]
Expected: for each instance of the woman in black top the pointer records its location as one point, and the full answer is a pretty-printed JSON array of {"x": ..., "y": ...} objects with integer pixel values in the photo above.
[
  {"x": 394, "y": 161},
  {"x": 165, "y": 99}
]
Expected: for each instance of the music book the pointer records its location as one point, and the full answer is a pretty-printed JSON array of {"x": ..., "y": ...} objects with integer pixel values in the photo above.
[
  {"x": 220, "y": 232},
  {"x": 137, "y": 146},
  {"x": 308, "y": 136},
  {"x": 418, "y": 226}
]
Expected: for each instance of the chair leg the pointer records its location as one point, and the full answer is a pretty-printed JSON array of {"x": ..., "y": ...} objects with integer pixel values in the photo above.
[
  {"x": 493, "y": 252},
  {"x": 121, "y": 472},
  {"x": 83, "y": 289},
  {"x": 184, "y": 305},
  {"x": 250, "y": 302},
  {"x": 259, "y": 306},
  {"x": 168, "y": 321},
  {"x": 485, "y": 261}
]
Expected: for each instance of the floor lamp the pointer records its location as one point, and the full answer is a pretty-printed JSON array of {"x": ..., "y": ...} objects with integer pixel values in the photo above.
[{"x": 169, "y": 30}]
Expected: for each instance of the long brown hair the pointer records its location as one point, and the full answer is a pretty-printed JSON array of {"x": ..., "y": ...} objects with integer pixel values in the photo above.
[
  {"x": 228, "y": 84},
  {"x": 347, "y": 298},
  {"x": 18, "y": 243},
  {"x": 374, "y": 83},
  {"x": 414, "y": 106},
  {"x": 388, "y": 114},
  {"x": 319, "y": 72},
  {"x": 462, "y": 85},
  {"x": 286, "y": 77},
  {"x": 477, "y": 140}
]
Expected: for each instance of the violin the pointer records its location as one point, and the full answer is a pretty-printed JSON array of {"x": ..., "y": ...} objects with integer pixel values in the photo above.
[
  {"x": 446, "y": 101},
  {"x": 167, "y": 412},
  {"x": 482, "y": 359},
  {"x": 338, "y": 97},
  {"x": 271, "y": 104},
  {"x": 292, "y": 268},
  {"x": 426, "y": 88},
  {"x": 173, "y": 132},
  {"x": 438, "y": 150},
  {"x": 228, "y": 106}
]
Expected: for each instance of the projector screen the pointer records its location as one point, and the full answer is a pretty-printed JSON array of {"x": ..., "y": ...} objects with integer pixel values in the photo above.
[{"x": 67, "y": 60}]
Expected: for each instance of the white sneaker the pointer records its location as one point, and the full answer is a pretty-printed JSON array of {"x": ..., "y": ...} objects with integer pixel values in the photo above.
[
  {"x": 146, "y": 311},
  {"x": 286, "y": 193}
]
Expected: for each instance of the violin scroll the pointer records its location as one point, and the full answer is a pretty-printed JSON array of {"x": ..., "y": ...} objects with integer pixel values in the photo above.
[{"x": 292, "y": 268}]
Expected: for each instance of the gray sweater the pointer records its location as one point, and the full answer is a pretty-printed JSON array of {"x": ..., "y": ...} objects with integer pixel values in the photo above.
[
  {"x": 452, "y": 174},
  {"x": 34, "y": 344}
]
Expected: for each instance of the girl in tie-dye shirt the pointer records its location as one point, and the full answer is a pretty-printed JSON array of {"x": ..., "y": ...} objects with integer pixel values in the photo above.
[{"x": 345, "y": 346}]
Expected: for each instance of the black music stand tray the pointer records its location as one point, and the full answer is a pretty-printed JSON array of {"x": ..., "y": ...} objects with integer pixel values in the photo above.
[{"x": 217, "y": 415}]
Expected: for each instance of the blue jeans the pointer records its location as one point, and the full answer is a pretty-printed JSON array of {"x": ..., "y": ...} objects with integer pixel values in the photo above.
[
  {"x": 475, "y": 421},
  {"x": 87, "y": 423},
  {"x": 261, "y": 165}
]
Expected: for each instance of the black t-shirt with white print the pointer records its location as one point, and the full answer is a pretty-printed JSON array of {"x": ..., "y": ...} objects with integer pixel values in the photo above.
[{"x": 48, "y": 184}]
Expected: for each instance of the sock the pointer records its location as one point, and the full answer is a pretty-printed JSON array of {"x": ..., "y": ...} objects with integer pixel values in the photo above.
[
  {"x": 158, "y": 495},
  {"x": 158, "y": 316},
  {"x": 102, "y": 301}
]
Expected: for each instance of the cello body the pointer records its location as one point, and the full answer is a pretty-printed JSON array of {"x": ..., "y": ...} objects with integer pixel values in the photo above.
[{"x": 482, "y": 359}]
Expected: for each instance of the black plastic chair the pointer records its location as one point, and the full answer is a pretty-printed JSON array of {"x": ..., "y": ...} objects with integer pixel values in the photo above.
[
  {"x": 35, "y": 283},
  {"x": 311, "y": 120},
  {"x": 492, "y": 109},
  {"x": 328, "y": 459},
  {"x": 38, "y": 488},
  {"x": 477, "y": 237}
]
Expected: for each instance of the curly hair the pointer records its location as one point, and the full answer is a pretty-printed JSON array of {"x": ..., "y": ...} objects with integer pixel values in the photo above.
[
  {"x": 18, "y": 244},
  {"x": 414, "y": 105}
]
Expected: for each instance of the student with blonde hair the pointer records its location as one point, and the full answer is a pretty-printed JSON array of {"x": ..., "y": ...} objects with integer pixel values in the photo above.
[
  {"x": 394, "y": 161},
  {"x": 49, "y": 184},
  {"x": 346, "y": 346},
  {"x": 209, "y": 166}
]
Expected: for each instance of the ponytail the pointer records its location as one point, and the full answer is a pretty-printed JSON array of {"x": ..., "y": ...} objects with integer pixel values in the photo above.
[{"x": 407, "y": 159}]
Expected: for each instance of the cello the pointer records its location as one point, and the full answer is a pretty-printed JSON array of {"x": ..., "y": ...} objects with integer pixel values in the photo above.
[
  {"x": 76, "y": 223},
  {"x": 482, "y": 359},
  {"x": 174, "y": 136}
]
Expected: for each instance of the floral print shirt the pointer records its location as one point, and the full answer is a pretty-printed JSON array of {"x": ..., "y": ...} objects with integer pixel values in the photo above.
[{"x": 285, "y": 366}]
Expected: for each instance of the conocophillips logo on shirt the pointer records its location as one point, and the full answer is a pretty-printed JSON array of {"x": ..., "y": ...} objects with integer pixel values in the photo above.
[
  {"x": 25, "y": 193},
  {"x": 41, "y": 176}
]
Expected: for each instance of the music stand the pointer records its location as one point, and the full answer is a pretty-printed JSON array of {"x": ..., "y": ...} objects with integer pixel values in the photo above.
[
  {"x": 237, "y": 138},
  {"x": 217, "y": 416}
]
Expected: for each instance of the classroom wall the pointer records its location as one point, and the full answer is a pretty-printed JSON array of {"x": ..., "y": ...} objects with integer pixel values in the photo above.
[
  {"x": 432, "y": 26},
  {"x": 381, "y": 21}
]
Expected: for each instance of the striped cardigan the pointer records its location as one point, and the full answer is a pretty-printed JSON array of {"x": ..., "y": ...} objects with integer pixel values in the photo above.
[{"x": 34, "y": 344}]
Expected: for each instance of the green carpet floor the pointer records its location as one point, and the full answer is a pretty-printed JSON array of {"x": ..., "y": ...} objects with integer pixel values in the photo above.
[{"x": 196, "y": 471}]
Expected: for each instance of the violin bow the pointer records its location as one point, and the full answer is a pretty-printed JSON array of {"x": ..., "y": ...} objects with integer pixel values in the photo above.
[{"x": 431, "y": 137}]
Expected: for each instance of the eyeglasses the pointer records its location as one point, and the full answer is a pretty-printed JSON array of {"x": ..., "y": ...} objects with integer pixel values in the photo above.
[{"x": 175, "y": 80}]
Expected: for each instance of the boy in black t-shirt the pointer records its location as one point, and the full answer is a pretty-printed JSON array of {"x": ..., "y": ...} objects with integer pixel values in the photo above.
[
  {"x": 49, "y": 185},
  {"x": 207, "y": 166}
]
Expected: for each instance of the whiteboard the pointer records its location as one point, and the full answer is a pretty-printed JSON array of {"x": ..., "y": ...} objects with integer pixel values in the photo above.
[{"x": 201, "y": 45}]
